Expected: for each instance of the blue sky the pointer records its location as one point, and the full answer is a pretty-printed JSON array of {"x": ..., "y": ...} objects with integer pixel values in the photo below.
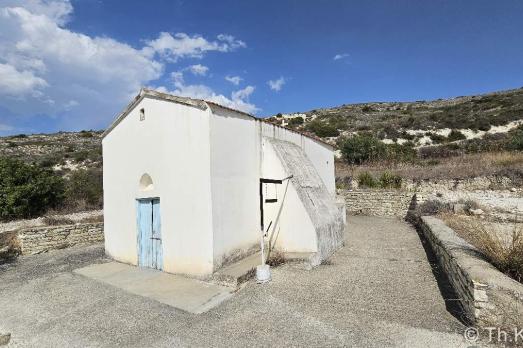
[{"x": 70, "y": 65}]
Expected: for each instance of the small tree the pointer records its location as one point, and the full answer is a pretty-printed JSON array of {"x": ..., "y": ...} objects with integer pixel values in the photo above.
[
  {"x": 362, "y": 148},
  {"x": 27, "y": 190},
  {"x": 84, "y": 189},
  {"x": 322, "y": 129},
  {"x": 516, "y": 141}
]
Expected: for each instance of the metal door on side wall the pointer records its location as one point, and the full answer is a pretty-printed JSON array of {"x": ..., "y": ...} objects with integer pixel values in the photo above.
[{"x": 149, "y": 234}]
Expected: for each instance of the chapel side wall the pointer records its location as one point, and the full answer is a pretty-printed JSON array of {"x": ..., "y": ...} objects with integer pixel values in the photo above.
[{"x": 235, "y": 172}]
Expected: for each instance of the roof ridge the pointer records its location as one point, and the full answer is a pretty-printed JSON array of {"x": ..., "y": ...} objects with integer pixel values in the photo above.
[{"x": 198, "y": 103}]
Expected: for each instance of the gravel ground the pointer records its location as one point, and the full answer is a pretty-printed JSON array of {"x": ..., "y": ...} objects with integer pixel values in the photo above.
[{"x": 379, "y": 290}]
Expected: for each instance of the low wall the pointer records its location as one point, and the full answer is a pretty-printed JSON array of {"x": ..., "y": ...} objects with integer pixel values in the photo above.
[
  {"x": 378, "y": 202},
  {"x": 487, "y": 296},
  {"x": 41, "y": 239}
]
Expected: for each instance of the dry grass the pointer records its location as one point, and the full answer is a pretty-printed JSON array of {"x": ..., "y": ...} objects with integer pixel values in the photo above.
[
  {"x": 276, "y": 258},
  {"x": 57, "y": 221},
  {"x": 93, "y": 219},
  {"x": 10, "y": 246},
  {"x": 506, "y": 254},
  {"x": 460, "y": 167}
]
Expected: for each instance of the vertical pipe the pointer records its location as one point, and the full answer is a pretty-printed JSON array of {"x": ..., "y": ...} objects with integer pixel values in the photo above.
[{"x": 261, "y": 223}]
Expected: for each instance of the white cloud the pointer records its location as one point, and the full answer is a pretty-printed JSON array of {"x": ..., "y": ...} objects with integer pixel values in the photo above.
[
  {"x": 238, "y": 100},
  {"x": 182, "y": 45},
  {"x": 277, "y": 85},
  {"x": 341, "y": 56},
  {"x": 19, "y": 83},
  {"x": 235, "y": 80},
  {"x": 198, "y": 69},
  {"x": 48, "y": 69},
  {"x": 5, "y": 128},
  {"x": 59, "y": 11}
]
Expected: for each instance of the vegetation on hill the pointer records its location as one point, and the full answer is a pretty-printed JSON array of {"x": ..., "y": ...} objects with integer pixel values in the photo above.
[
  {"x": 27, "y": 190},
  {"x": 390, "y": 119},
  {"x": 42, "y": 172}
]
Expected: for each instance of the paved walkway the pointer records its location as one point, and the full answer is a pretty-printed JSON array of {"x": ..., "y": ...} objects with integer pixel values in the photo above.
[{"x": 379, "y": 290}]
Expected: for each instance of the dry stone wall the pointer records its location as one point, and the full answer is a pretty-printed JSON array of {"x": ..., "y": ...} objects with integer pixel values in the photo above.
[
  {"x": 487, "y": 296},
  {"x": 378, "y": 202},
  {"x": 41, "y": 239}
]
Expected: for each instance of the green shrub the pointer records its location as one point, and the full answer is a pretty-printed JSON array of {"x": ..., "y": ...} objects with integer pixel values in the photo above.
[
  {"x": 516, "y": 141},
  {"x": 86, "y": 134},
  {"x": 322, "y": 129},
  {"x": 436, "y": 138},
  {"x": 80, "y": 156},
  {"x": 400, "y": 153},
  {"x": 27, "y": 190},
  {"x": 84, "y": 189},
  {"x": 389, "y": 180},
  {"x": 432, "y": 207},
  {"x": 362, "y": 148},
  {"x": 366, "y": 179},
  {"x": 296, "y": 121},
  {"x": 455, "y": 135}
]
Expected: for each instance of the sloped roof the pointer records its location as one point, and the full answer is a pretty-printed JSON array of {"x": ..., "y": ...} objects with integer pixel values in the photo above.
[{"x": 197, "y": 103}]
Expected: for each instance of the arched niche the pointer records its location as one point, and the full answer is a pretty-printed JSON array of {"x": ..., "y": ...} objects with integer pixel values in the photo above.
[{"x": 146, "y": 183}]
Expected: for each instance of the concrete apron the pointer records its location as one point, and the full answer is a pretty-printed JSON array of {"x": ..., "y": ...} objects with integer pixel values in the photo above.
[{"x": 190, "y": 295}]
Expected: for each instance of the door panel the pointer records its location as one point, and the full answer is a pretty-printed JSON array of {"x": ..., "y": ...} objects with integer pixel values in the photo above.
[
  {"x": 149, "y": 234},
  {"x": 157, "y": 257}
]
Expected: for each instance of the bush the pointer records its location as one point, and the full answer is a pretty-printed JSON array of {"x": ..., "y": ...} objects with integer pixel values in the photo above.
[
  {"x": 27, "y": 190},
  {"x": 296, "y": 121},
  {"x": 322, "y": 129},
  {"x": 400, "y": 153},
  {"x": 86, "y": 134},
  {"x": 436, "y": 138},
  {"x": 57, "y": 221},
  {"x": 515, "y": 142},
  {"x": 85, "y": 190},
  {"x": 432, "y": 207},
  {"x": 389, "y": 180},
  {"x": 362, "y": 148},
  {"x": 455, "y": 135},
  {"x": 366, "y": 179}
]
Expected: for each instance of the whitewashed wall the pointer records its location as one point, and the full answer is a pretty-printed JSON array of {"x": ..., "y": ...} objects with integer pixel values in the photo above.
[
  {"x": 321, "y": 155},
  {"x": 172, "y": 146},
  {"x": 205, "y": 166},
  {"x": 237, "y": 162},
  {"x": 291, "y": 229},
  {"x": 235, "y": 172}
]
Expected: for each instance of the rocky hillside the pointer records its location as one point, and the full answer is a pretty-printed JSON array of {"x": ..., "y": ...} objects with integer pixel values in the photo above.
[
  {"x": 420, "y": 122},
  {"x": 63, "y": 151}
]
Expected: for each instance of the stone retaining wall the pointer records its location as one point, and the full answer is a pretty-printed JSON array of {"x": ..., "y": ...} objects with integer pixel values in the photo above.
[
  {"x": 41, "y": 239},
  {"x": 378, "y": 202},
  {"x": 487, "y": 296}
]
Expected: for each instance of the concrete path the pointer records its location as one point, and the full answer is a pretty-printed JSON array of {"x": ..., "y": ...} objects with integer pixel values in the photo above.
[
  {"x": 378, "y": 291},
  {"x": 187, "y": 294}
]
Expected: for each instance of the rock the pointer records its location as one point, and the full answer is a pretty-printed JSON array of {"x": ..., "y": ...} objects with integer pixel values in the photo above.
[
  {"x": 4, "y": 339},
  {"x": 513, "y": 189},
  {"x": 459, "y": 208},
  {"x": 476, "y": 211}
]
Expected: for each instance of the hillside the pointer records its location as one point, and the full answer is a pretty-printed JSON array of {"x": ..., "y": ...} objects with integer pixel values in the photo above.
[
  {"x": 432, "y": 131},
  {"x": 63, "y": 151},
  {"x": 420, "y": 122}
]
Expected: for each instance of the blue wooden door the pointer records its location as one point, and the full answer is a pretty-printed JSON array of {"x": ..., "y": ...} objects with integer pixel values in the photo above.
[{"x": 149, "y": 234}]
